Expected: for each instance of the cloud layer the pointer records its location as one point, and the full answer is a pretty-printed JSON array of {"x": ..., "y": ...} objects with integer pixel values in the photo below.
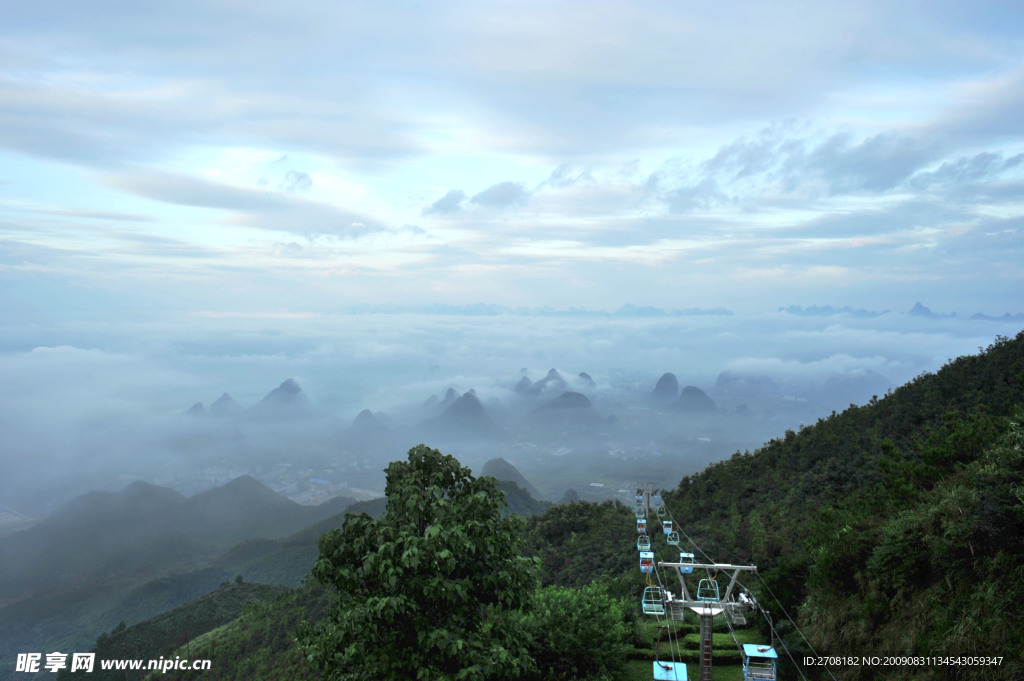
[{"x": 664, "y": 154}]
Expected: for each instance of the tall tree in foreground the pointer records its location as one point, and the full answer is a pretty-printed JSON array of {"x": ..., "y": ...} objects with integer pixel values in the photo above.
[{"x": 432, "y": 590}]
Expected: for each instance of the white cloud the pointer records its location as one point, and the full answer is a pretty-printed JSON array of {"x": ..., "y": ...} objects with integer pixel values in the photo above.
[{"x": 546, "y": 156}]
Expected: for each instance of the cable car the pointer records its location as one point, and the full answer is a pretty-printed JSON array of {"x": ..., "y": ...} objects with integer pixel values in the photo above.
[
  {"x": 643, "y": 543},
  {"x": 666, "y": 526},
  {"x": 669, "y": 671},
  {"x": 759, "y": 662},
  {"x": 640, "y": 513},
  {"x": 686, "y": 558},
  {"x": 707, "y": 590},
  {"x": 641, "y": 526},
  {"x": 673, "y": 539},
  {"x": 646, "y": 561},
  {"x": 652, "y": 603},
  {"x": 660, "y": 511}
]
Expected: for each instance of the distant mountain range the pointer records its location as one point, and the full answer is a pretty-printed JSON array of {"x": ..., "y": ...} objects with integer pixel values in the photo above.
[
  {"x": 491, "y": 309},
  {"x": 918, "y": 310},
  {"x": 58, "y": 577},
  {"x": 627, "y": 310},
  {"x": 556, "y": 406},
  {"x": 125, "y": 534},
  {"x": 285, "y": 402}
]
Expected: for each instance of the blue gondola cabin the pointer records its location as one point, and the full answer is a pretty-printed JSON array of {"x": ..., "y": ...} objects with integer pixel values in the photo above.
[
  {"x": 669, "y": 671},
  {"x": 646, "y": 561},
  {"x": 758, "y": 662},
  {"x": 707, "y": 590},
  {"x": 651, "y": 602}
]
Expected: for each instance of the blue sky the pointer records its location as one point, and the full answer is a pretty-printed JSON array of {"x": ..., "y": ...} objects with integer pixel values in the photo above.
[{"x": 220, "y": 157}]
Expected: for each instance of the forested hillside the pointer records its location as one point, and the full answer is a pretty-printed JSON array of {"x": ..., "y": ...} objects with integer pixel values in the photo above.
[
  {"x": 892, "y": 528},
  {"x": 160, "y": 635}
]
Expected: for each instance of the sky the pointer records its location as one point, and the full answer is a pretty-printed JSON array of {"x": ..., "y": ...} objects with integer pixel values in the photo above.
[
  {"x": 198, "y": 197},
  {"x": 220, "y": 157}
]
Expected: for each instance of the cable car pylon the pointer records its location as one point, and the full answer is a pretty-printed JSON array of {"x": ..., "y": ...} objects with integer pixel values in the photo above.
[{"x": 708, "y": 600}]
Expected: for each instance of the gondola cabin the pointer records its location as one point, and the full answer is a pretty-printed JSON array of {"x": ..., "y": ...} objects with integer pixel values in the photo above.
[
  {"x": 641, "y": 526},
  {"x": 758, "y": 662},
  {"x": 687, "y": 560},
  {"x": 673, "y": 539},
  {"x": 651, "y": 602},
  {"x": 707, "y": 590},
  {"x": 666, "y": 526},
  {"x": 646, "y": 561},
  {"x": 643, "y": 543},
  {"x": 669, "y": 671}
]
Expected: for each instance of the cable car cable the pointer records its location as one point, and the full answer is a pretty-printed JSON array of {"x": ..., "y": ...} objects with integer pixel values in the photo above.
[
  {"x": 765, "y": 584},
  {"x": 770, "y": 625}
]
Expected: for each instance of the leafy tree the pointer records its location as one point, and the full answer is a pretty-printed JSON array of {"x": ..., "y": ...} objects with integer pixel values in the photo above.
[
  {"x": 432, "y": 590},
  {"x": 580, "y": 542},
  {"x": 578, "y": 633}
]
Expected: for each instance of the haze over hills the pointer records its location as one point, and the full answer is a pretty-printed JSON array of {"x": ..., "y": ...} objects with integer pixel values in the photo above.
[
  {"x": 62, "y": 575},
  {"x": 464, "y": 416},
  {"x": 119, "y": 533},
  {"x": 503, "y": 470},
  {"x": 751, "y": 367},
  {"x": 666, "y": 389},
  {"x": 225, "y": 406},
  {"x": 286, "y": 401},
  {"x": 694, "y": 399}
]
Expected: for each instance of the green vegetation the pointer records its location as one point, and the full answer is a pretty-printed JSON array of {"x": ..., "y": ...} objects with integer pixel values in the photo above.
[
  {"x": 433, "y": 589},
  {"x": 260, "y": 644},
  {"x": 896, "y": 528},
  {"x": 519, "y": 501},
  {"x": 890, "y": 529},
  {"x": 582, "y": 542},
  {"x": 577, "y": 633},
  {"x": 161, "y": 635}
]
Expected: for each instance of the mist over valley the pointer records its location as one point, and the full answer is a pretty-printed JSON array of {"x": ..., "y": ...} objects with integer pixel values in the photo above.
[{"x": 317, "y": 407}]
